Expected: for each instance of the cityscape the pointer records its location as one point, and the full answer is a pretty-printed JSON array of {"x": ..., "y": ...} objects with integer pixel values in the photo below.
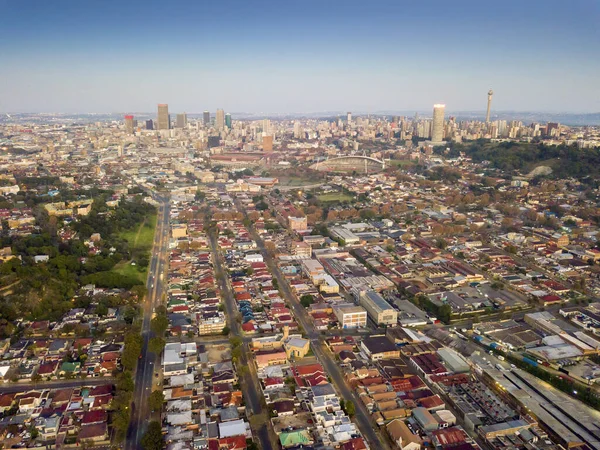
[{"x": 351, "y": 227}]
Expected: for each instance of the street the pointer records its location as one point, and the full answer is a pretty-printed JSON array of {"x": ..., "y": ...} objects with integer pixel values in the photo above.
[
  {"x": 249, "y": 379},
  {"x": 146, "y": 365},
  {"x": 329, "y": 364}
]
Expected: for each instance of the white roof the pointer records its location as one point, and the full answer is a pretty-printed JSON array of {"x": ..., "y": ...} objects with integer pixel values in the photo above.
[{"x": 232, "y": 428}]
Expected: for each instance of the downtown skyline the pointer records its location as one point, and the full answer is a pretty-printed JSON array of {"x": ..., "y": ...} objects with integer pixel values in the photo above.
[{"x": 268, "y": 57}]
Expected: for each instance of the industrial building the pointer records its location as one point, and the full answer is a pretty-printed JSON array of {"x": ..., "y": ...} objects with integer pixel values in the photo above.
[{"x": 378, "y": 309}]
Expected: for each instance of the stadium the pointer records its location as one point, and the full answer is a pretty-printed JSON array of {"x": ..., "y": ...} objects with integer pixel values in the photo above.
[{"x": 348, "y": 164}]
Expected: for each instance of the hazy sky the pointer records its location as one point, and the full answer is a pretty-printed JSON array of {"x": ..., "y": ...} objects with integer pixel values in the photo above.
[{"x": 299, "y": 56}]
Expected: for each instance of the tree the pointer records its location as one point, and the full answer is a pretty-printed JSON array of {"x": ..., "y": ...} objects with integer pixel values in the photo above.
[
  {"x": 156, "y": 344},
  {"x": 306, "y": 300},
  {"x": 125, "y": 382},
  {"x": 236, "y": 341},
  {"x": 159, "y": 324},
  {"x": 225, "y": 331},
  {"x": 156, "y": 400},
  {"x": 153, "y": 438},
  {"x": 350, "y": 409}
]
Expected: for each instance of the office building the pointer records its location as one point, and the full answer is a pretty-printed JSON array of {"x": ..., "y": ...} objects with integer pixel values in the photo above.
[
  {"x": 206, "y": 117},
  {"x": 351, "y": 316},
  {"x": 181, "y": 120},
  {"x": 267, "y": 143},
  {"x": 220, "y": 119},
  {"x": 228, "y": 120},
  {"x": 298, "y": 130},
  {"x": 164, "y": 121},
  {"x": 349, "y": 117},
  {"x": 437, "y": 132},
  {"x": 298, "y": 223},
  {"x": 377, "y": 308},
  {"x": 149, "y": 124},
  {"x": 266, "y": 127},
  {"x": 129, "y": 126},
  {"x": 489, "y": 106}
]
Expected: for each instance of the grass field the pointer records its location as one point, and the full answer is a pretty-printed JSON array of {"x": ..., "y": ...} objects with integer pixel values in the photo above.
[
  {"x": 125, "y": 268},
  {"x": 403, "y": 162},
  {"x": 297, "y": 181},
  {"x": 140, "y": 239},
  {"x": 334, "y": 198},
  {"x": 140, "y": 244}
]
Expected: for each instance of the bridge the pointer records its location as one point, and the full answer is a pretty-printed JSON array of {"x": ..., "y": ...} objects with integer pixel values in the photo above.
[{"x": 350, "y": 163}]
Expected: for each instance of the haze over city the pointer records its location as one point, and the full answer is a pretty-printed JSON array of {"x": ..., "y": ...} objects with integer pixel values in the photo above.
[
  {"x": 309, "y": 56},
  {"x": 261, "y": 225}
]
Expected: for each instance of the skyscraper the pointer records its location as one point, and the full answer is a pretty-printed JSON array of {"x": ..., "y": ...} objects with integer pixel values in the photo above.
[
  {"x": 220, "y": 119},
  {"x": 349, "y": 117},
  {"x": 164, "y": 121},
  {"x": 489, "y": 106},
  {"x": 437, "y": 132},
  {"x": 266, "y": 127},
  {"x": 267, "y": 143},
  {"x": 206, "y": 117},
  {"x": 182, "y": 120},
  {"x": 228, "y": 120},
  {"x": 129, "y": 124},
  {"x": 149, "y": 124}
]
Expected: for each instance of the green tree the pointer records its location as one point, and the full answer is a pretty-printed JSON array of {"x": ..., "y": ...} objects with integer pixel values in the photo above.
[
  {"x": 153, "y": 438},
  {"x": 159, "y": 324},
  {"x": 156, "y": 400},
  {"x": 306, "y": 300},
  {"x": 156, "y": 344},
  {"x": 225, "y": 331},
  {"x": 350, "y": 409}
]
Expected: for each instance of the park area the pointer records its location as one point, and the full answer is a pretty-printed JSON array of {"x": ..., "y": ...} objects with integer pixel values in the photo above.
[
  {"x": 335, "y": 197},
  {"x": 140, "y": 241}
]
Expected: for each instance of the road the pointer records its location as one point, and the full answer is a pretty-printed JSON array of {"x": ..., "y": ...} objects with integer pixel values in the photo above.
[
  {"x": 361, "y": 417},
  {"x": 55, "y": 384},
  {"x": 252, "y": 391},
  {"x": 148, "y": 361}
]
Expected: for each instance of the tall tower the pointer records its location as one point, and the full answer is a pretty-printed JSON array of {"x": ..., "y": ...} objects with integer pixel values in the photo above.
[
  {"x": 164, "y": 121},
  {"x": 487, "y": 115},
  {"x": 206, "y": 117},
  {"x": 437, "y": 132},
  {"x": 129, "y": 124},
  {"x": 181, "y": 120},
  {"x": 228, "y": 120},
  {"x": 220, "y": 119},
  {"x": 349, "y": 117}
]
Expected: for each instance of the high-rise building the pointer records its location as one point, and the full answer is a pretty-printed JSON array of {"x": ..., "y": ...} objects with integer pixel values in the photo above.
[
  {"x": 349, "y": 117},
  {"x": 220, "y": 119},
  {"x": 489, "y": 106},
  {"x": 266, "y": 127},
  {"x": 129, "y": 124},
  {"x": 267, "y": 143},
  {"x": 164, "y": 120},
  {"x": 182, "y": 120},
  {"x": 149, "y": 124},
  {"x": 437, "y": 131},
  {"x": 298, "y": 131},
  {"x": 206, "y": 117},
  {"x": 228, "y": 120}
]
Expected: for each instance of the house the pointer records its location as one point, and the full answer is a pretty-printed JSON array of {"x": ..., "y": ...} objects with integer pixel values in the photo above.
[
  {"x": 96, "y": 432},
  {"x": 402, "y": 436}
]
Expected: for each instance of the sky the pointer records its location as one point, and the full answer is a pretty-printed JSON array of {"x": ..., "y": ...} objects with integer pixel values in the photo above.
[{"x": 299, "y": 56}]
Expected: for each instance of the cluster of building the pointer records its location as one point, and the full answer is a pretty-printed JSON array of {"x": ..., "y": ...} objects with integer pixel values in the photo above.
[
  {"x": 56, "y": 417},
  {"x": 204, "y": 406},
  {"x": 194, "y": 304}
]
